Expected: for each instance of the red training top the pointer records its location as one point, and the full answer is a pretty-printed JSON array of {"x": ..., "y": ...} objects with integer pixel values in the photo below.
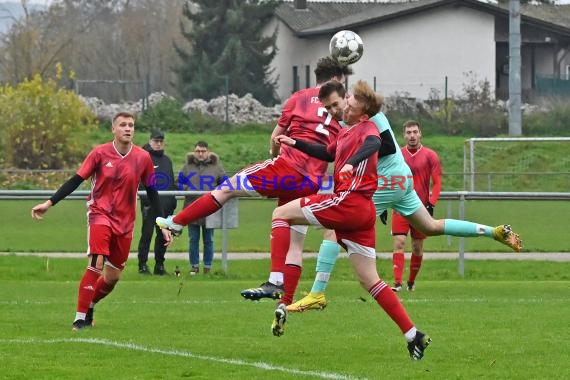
[
  {"x": 114, "y": 184},
  {"x": 425, "y": 165},
  {"x": 307, "y": 119}
]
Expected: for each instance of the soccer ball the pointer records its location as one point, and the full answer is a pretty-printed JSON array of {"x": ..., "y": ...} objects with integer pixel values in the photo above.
[{"x": 346, "y": 47}]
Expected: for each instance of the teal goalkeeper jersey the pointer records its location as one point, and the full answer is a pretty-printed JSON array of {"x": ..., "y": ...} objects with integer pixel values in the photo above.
[{"x": 390, "y": 168}]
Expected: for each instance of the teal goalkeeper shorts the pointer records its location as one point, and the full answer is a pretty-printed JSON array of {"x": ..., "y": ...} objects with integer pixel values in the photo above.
[{"x": 400, "y": 197}]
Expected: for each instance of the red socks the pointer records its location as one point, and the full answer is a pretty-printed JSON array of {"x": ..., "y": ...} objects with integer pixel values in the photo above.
[
  {"x": 291, "y": 276},
  {"x": 87, "y": 288},
  {"x": 102, "y": 289},
  {"x": 280, "y": 240},
  {"x": 200, "y": 208},
  {"x": 415, "y": 265},
  {"x": 398, "y": 262},
  {"x": 391, "y": 304}
]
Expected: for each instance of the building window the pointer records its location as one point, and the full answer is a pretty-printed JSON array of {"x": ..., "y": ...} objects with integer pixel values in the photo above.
[
  {"x": 567, "y": 72},
  {"x": 307, "y": 76}
]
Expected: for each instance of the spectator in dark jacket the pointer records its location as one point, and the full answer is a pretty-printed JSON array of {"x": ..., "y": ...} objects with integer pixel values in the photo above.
[
  {"x": 163, "y": 180},
  {"x": 208, "y": 171}
]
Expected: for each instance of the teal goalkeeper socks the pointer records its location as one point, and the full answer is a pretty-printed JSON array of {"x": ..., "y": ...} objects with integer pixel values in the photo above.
[
  {"x": 328, "y": 253},
  {"x": 463, "y": 228}
]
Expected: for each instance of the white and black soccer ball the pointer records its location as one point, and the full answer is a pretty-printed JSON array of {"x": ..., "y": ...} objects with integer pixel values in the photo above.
[{"x": 346, "y": 47}]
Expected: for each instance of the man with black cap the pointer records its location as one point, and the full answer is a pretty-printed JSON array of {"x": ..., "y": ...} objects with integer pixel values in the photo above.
[{"x": 162, "y": 181}]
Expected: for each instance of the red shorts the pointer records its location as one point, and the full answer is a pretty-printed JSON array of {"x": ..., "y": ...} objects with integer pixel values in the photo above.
[
  {"x": 115, "y": 248},
  {"x": 275, "y": 178},
  {"x": 351, "y": 215},
  {"x": 400, "y": 226}
]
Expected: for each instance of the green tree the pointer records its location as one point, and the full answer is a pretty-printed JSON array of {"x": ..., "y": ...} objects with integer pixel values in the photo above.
[
  {"x": 227, "y": 47},
  {"x": 38, "y": 121}
]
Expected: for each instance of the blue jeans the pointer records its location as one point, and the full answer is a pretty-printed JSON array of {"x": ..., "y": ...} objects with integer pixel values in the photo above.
[{"x": 194, "y": 248}]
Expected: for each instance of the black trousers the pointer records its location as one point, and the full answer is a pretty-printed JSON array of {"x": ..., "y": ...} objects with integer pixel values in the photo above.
[{"x": 148, "y": 228}]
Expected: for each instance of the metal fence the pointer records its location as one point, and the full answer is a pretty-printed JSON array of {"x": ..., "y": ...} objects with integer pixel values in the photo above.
[
  {"x": 463, "y": 196},
  {"x": 506, "y": 181},
  {"x": 115, "y": 90},
  {"x": 451, "y": 181},
  {"x": 228, "y": 217},
  {"x": 224, "y": 219}
]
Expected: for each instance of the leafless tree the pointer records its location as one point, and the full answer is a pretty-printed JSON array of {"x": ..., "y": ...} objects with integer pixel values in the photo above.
[{"x": 126, "y": 40}]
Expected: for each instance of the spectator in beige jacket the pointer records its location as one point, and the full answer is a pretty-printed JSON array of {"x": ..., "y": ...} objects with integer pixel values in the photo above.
[{"x": 204, "y": 171}]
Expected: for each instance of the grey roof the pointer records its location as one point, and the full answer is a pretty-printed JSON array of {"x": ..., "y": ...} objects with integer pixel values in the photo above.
[
  {"x": 325, "y": 18},
  {"x": 556, "y": 15}
]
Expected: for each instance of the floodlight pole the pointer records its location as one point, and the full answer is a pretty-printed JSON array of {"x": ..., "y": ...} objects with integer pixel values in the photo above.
[{"x": 515, "y": 128}]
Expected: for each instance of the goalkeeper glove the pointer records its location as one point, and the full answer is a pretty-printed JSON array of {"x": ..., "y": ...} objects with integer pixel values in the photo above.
[
  {"x": 384, "y": 217},
  {"x": 429, "y": 208}
]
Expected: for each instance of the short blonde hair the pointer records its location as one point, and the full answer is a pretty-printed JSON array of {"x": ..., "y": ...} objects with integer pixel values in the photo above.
[{"x": 371, "y": 100}]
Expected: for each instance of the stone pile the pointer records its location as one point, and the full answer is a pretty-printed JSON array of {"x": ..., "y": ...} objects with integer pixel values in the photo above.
[
  {"x": 240, "y": 110},
  {"x": 248, "y": 110},
  {"x": 105, "y": 111}
]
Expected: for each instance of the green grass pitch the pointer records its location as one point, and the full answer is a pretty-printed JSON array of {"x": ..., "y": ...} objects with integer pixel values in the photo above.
[{"x": 504, "y": 320}]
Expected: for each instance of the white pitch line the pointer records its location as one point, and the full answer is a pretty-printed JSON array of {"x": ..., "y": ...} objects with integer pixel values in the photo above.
[
  {"x": 186, "y": 354},
  {"x": 486, "y": 300}
]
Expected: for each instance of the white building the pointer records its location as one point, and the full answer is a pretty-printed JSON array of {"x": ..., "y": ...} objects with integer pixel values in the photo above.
[{"x": 414, "y": 48}]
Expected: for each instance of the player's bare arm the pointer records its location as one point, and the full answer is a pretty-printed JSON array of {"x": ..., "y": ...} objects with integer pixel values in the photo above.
[
  {"x": 346, "y": 172},
  {"x": 167, "y": 236},
  {"x": 39, "y": 210},
  {"x": 281, "y": 139},
  {"x": 67, "y": 188},
  {"x": 274, "y": 147}
]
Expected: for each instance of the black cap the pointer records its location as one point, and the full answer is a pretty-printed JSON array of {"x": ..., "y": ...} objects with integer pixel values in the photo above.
[{"x": 157, "y": 134}]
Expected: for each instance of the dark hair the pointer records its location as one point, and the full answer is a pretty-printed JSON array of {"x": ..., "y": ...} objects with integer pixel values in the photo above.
[
  {"x": 123, "y": 114},
  {"x": 327, "y": 68},
  {"x": 331, "y": 87},
  {"x": 371, "y": 100},
  {"x": 411, "y": 123},
  {"x": 201, "y": 144}
]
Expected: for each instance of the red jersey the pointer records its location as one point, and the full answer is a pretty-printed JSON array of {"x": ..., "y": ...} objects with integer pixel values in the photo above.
[
  {"x": 364, "y": 179},
  {"x": 114, "y": 183},
  {"x": 425, "y": 166},
  {"x": 307, "y": 119}
]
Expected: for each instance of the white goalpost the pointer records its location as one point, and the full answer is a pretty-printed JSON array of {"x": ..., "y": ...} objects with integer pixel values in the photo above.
[{"x": 518, "y": 167}]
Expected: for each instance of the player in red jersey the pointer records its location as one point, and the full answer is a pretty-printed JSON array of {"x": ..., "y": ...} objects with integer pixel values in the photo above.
[
  {"x": 349, "y": 211},
  {"x": 116, "y": 169},
  {"x": 426, "y": 169},
  {"x": 290, "y": 175}
]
